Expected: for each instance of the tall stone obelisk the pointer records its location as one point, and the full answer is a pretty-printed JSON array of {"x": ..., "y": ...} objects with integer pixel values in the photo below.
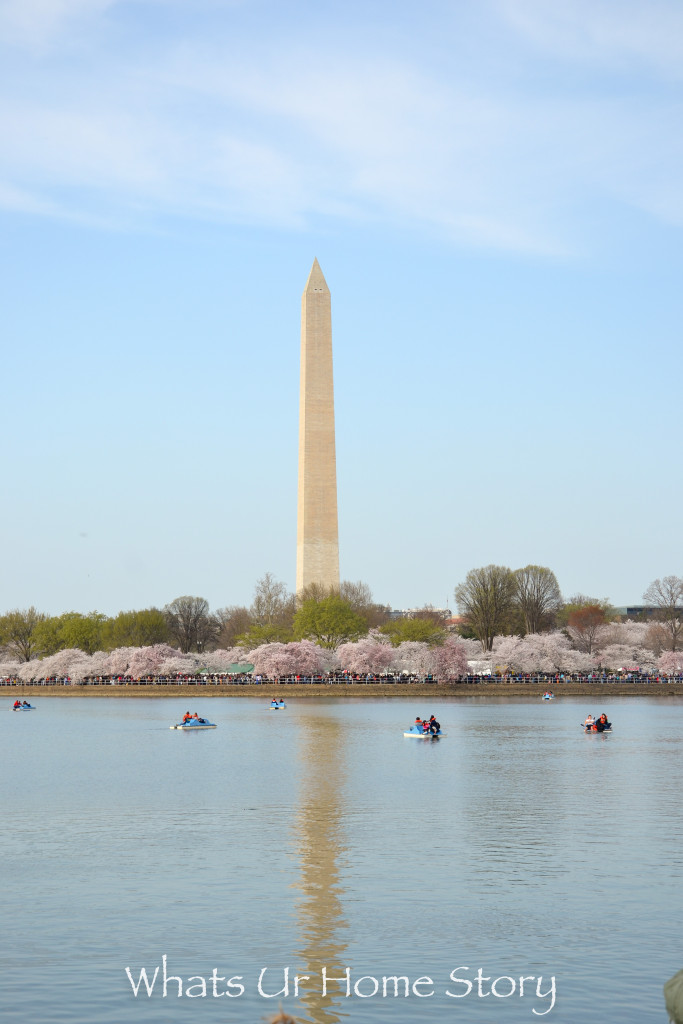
[{"x": 317, "y": 549}]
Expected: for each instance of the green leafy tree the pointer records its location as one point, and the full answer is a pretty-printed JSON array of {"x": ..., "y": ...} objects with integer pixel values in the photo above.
[
  {"x": 329, "y": 622},
  {"x": 423, "y": 630},
  {"x": 270, "y": 633},
  {"x": 82, "y": 631},
  {"x": 143, "y": 628},
  {"x": 17, "y": 632},
  {"x": 486, "y": 598},
  {"x": 47, "y": 636}
]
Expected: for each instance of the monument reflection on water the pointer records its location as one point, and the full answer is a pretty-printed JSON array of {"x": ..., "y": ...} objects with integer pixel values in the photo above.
[{"x": 319, "y": 838}]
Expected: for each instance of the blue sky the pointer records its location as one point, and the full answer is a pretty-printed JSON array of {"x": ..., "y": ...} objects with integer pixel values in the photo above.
[{"x": 495, "y": 194}]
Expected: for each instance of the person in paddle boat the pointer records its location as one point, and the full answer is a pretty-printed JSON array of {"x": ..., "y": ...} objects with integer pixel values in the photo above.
[
  {"x": 434, "y": 726},
  {"x": 17, "y": 703},
  {"x": 25, "y": 704},
  {"x": 274, "y": 703},
  {"x": 589, "y": 720},
  {"x": 418, "y": 725},
  {"x": 187, "y": 717},
  {"x": 602, "y": 723}
]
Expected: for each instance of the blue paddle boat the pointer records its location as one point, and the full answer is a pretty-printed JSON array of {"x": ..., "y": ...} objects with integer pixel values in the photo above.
[
  {"x": 277, "y": 705},
  {"x": 194, "y": 724},
  {"x": 24, "y": 707},
  {"x": 418, "y": 733}
]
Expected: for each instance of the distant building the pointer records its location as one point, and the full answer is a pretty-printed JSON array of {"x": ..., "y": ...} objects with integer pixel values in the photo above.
[
  {"x": 410, "y": 613},
  {"x": 642, "y": 611}
]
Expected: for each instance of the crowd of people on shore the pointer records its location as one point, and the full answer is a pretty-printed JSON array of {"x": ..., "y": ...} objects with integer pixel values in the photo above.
[{"x": 347, "y": 679}]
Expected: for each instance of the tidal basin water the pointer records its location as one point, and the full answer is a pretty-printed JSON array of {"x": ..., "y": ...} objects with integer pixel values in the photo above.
[{"x": 319, "y": 838}]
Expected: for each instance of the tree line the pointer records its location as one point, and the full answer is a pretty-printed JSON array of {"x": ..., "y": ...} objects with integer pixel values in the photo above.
[
  {"x": 492, "y": 601},
  {"x": 498, "y": 601},
  {"x": 188, "y": 624}
]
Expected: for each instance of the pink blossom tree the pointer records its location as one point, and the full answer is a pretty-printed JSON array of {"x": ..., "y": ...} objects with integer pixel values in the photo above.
[
  {"x": 221, "y": 660},
  {"x": 366, "y": 655},
  {"x": 148, "y": 661},
  {"x": 62, "y": 665},
  {"x": 671, "y": 662},
  {"x": 472, "y": 648},
  {"x": 623, "y": 656},
  {"x": 450, "y": 659},
  {"x": 414, "y": 658},
  {"x": 118, "y": 661},
  {"x": 8, "y": 668},
  {"x": 178, "y": 665},
  {"x": 276, "y": 660},
  {"x": 99, "y": 662}
]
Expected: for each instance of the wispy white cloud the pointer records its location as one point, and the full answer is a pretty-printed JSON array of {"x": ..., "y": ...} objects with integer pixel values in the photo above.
[
  {"x": 249, "y": 129},
  {"x": 36, "y": 23},
  {"x": 604, "y": 32}
]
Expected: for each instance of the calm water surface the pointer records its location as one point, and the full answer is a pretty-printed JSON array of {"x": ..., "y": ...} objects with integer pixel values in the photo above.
[{"x": 318, "y": 837}]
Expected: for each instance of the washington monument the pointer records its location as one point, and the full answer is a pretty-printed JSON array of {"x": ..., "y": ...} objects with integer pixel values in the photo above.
[{"x": 317, "y": 549}]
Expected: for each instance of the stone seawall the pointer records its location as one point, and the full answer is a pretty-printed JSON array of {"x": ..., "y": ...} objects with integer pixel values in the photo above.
[{"x": 415, "y": 691}]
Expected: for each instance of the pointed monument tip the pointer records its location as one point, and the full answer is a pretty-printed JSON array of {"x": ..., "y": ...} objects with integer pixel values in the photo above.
[{"x": 316, "y": 280}]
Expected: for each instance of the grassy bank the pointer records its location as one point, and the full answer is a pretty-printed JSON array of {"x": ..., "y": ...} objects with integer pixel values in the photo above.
[{"x": 415, "y": 691}]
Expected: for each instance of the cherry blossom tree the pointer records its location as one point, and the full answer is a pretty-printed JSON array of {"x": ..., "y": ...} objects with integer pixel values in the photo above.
[
  {"x": 671, "y": 662},
  {"x": 99, "y": 664},
  {"x": 118, "y": 661},
  {"x": 471, "y": 647},
  {"x": 148, "y": 661},
  {"x": 178, "y": 665},
  {"x": 366, "y": 655},
  {"x": 414, "y": 658},
  {"x": 450, "y": 659},
  {"x": 509, "y": 653},
  {"x": 300, "y": 658},
  {"x": 539, "y": 652},
  {"x": 623, "y": 656},
  {"x": 61, "y": 665},
  {"x": 81, "y": 669},
  {"x": 8, "y": 668},
  {"x": 221, "y": 660}
]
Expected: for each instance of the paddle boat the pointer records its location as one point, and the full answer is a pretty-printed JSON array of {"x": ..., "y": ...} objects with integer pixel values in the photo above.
[
  {"x": 23, "y": 707},
  {"x": 193, "y": 724},
  {"x": 418, "y": 733},
  {"x": 548, "y": 695},
  {"x": 275, "y": 705},
  {"x": 596, "y": 727}
]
